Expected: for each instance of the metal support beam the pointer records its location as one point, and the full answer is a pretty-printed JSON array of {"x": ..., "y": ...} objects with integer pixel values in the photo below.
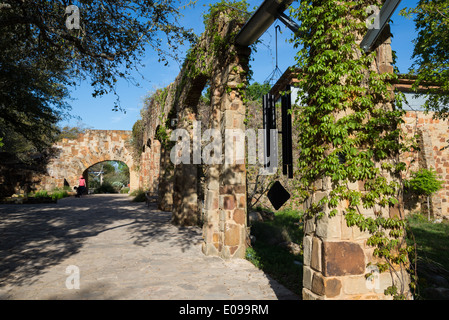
[
  {"x": 260, "y": 21},
  {"x": 384, "y": 16},
  {"x": 289, "y": 23}
]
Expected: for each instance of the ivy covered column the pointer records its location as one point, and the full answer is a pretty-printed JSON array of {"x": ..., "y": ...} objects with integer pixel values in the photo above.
[{"x": 349, "y": 139}]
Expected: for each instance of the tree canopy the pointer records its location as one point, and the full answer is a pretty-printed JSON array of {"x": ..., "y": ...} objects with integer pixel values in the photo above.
[
  {"x": 256, "y": 91},
  {"x": 43, "y": 50},
  {"x": 423, "y": 182},
  {"x": 431, "y": 53}
]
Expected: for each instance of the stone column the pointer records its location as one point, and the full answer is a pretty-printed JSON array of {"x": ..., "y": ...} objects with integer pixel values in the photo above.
[
  {"x": 336, "y": 257},
  {"x": 133, "y": 178},
  {"x": 165, "y": 187},
  {"x": 225, "y": 229},
  {"x": 144, "y": 164},
  {"x": 155, "y": 162},
  {"x": 185, "y": 195}
]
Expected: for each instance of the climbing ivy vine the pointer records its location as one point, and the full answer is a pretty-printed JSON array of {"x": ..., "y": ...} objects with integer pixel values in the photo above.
[
  {"x": 198, "y": 56},
  {"x": 349, "y": 128},
  {"x": 201, "y": 59}
]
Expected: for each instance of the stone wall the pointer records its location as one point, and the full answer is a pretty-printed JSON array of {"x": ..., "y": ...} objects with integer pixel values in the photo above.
[
  {"x": 433, "y": 138},
  {"x": 149, "y": 169},
  {"x": 74, "y": 156},
  {"x": 336, "y": 257}
]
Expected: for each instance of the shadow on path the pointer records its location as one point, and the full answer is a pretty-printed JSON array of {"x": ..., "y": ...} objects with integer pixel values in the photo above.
[{"x": 36, "y": 237}]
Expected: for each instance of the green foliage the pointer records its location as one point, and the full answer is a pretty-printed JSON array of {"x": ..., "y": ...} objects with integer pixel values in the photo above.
[
  {"x": 115, "y": 174},
  {"x": 348, "y": 124},
  {"x": 277, "y": 262},
  {"x": 59, "y": 194},
  {"x": 431, "y": 242},
  {"x": 431, "y": 53},
  {"x": 255, "y": 91},
  {"x": 423, "y": 182},
  {"x": 269, "y": 255},
  {"x": 109, "y": 42},
  {"x": 41, "y": 194},
  {"x": 162, "y": 134},
  {"x": 196, "y": 60},
  {"x": 239, "y": 11},
  {"x": 137, "y": 139},
  {"x": 106, "y": 187},
  {"x": 54, "y": 195},
  {"x": 29, "y": 144},
  {"x": 33, "y": 82},
  {"x": 71, "y": 132},
  {"x": 139, "y": 195},
  {"x": 124, "y": 190},
  {"x": 206, "y": 96},
  {"x": 154, "y": 105},
  {"x": 431, "y": 238},
  {"x": 117, "y": 185},
  {"x": 41, "y": 57}
]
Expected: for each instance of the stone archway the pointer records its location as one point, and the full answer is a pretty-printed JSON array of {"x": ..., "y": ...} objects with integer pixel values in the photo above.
[{"x": 74, "y": 156}]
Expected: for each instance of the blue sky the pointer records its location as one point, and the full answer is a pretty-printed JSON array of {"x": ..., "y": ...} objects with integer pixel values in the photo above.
[{"x": 96, "y": 113}]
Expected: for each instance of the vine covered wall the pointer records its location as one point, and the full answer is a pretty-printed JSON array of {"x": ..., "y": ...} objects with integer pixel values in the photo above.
[{"x": 349, "y": 169}]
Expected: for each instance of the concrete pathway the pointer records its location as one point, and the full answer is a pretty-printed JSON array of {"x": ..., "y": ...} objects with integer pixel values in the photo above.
[{"x": 121, "y": 249}]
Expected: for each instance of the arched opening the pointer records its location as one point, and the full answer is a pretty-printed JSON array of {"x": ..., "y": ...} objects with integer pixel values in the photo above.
[{"x": 109, "y": 176}]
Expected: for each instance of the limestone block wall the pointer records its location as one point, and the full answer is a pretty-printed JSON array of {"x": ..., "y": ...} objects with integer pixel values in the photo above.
[
  {"x": 433, "y": 137},
  {"x": 74, "y": 156},
  {"x": 337, "y": 258},
  {"x": 144, "y": 169},
  {"x": 149, "y": 167},
  {"x": 165, "y": 186},
  {"x": 155, "y": 168},
  {"x": 225, "y": 230}
]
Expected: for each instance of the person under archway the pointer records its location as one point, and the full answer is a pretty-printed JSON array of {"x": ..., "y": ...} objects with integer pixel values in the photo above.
[{"x": 81, "y": 187}]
